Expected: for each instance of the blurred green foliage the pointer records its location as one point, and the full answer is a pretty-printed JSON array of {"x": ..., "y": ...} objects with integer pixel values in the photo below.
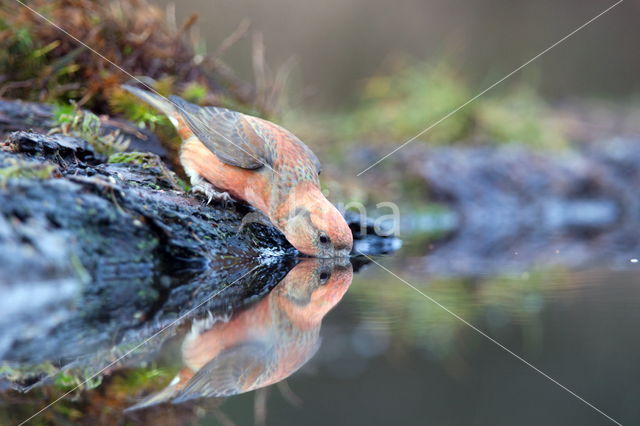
[
  {"x": 399, "y": 105},
  {"x": 396, "y": 105},
  {"x": 24, "y": 170},
  {"x": 518, "y": 116},
  {"x": 38, "y": 62}
]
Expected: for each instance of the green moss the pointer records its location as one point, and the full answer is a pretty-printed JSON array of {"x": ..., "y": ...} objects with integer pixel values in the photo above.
[
  {"x": 131, "y": 381},
  {"x": 183, "y": 184},
  {"x": 146, "y": 245},
  {"x": 86, "y": 125},
  {"x": 143, "y": 159},
  {"x": 62, "y": 113},
  {"x": 67, "y": 380},
  {"x": 147, "y": 160},
  {"x": 148, "y": 294},
  {"x": 24, "y": 170},
  {"x": 133, "y": 109},
  {"x": 17, "y": 373},
  {"x": 194, "y": 92},
  {"x": 410, "y": 99}
]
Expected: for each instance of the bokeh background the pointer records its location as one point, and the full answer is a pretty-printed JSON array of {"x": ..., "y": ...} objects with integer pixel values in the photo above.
[{"x": 336, "y": 44}]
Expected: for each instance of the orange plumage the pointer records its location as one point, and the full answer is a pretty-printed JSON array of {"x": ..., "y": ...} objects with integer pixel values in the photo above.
[
  {"x": 262, "y": 344},
  {"x": 229, "y": 154}
]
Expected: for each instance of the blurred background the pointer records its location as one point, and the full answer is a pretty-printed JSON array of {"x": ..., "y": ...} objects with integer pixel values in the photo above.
[{"x": 337, "y": 44}]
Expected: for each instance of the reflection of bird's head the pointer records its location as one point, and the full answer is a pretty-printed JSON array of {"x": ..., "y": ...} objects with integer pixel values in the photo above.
[
  {"x": 313, "y": 288},
  {"x": 314, "y": 226}
]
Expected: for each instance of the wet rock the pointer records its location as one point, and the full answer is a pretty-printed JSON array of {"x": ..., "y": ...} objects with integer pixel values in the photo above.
[
  {"x": 20, "y": 115},
  {"x": 37, "y": 280},
  {"x": 369, "y": 240},
  {"x": 518, "y": 208},
  {"x": 66, "y": 148}
]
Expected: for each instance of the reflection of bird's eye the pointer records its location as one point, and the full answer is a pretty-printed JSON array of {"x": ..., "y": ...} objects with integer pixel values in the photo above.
[
  {"x": 324, "y": 276},
  {"x": 324, "y": 239}
]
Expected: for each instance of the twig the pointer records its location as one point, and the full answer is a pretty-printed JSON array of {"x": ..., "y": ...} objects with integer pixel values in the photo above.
[
  {"x": 259, "y": 68},
  {"x": 234, "y": 37},
  {"x": 288, "y": 394},
  {"x": 15, "y": 85},
  {"x": 260, "y": 406}
]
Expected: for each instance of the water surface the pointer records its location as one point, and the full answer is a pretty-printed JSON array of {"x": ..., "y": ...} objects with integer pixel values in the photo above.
[{"x": 329, "y": 346}]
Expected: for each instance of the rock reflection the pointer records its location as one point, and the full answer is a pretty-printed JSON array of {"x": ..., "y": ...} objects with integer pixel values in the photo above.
[{"x": 262, "y": 344}]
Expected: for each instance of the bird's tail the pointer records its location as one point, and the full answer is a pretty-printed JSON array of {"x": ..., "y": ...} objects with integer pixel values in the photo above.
[
  {"x": 158, "y": 102},
  {"x": 165, "y": 395}
]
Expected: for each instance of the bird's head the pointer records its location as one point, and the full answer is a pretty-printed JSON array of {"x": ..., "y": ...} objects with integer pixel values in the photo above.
[{"x": 315, "y": 227}]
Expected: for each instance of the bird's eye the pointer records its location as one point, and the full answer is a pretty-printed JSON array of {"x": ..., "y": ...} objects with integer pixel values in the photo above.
[
  {"x": 324, "y": 276},
  {"x": 324, "y": 239}
]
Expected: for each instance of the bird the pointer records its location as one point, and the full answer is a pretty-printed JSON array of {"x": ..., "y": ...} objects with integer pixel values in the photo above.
[
  {"x": 262, "y": 344},
  {"x": 230, "y": 155}
]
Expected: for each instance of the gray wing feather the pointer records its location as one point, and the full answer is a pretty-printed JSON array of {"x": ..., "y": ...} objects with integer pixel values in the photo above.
[
  {"x": 313, "y": 157},
  {"x": 225, "y": 133},
  {"x": 225, "y": 374},
  {"x": 264, "y": 135}
]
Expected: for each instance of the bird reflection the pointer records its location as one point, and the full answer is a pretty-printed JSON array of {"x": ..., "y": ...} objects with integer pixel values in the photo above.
[{"x": 262, "y": 344}]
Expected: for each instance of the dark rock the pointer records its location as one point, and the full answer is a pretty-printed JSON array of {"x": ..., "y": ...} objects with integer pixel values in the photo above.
[
  {"x": 366, "y": 239},
  {"x": 66, "y": 148},
  {"x": 517, "y": 208},
  {"x": 20, "y": 115}
]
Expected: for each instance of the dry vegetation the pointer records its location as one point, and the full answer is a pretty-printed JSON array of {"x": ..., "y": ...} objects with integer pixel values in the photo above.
[{"x": 38, "y": 62}]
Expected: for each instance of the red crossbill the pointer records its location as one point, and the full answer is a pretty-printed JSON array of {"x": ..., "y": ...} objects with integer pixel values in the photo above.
[
  {"x": 262, "y": 344},
  {"x": 230, "y": 154}
]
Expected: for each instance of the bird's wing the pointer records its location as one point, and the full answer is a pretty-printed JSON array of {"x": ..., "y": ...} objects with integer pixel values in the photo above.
[
  {"x": 267, "y": 131},
  {"x": 235, "y": 370},
  {"x": 226, "y": 133},
  {"x": 313, "y": 157}
]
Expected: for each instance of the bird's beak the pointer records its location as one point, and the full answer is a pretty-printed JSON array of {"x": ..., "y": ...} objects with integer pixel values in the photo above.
[
  {"x": 331, "y": 254},
  {"x": 336, "y": 263},
  {"x": 340, "y": 254},
  {"x": 343, "y": 253},
  {"x": 342, "y": 263}
]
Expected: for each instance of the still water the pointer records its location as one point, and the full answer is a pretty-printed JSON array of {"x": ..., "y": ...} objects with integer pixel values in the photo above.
[{"x": 330, "y": 346}]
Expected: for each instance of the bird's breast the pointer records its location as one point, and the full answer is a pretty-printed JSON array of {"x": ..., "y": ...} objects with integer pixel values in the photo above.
[{"x": 251, "y": 186}]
